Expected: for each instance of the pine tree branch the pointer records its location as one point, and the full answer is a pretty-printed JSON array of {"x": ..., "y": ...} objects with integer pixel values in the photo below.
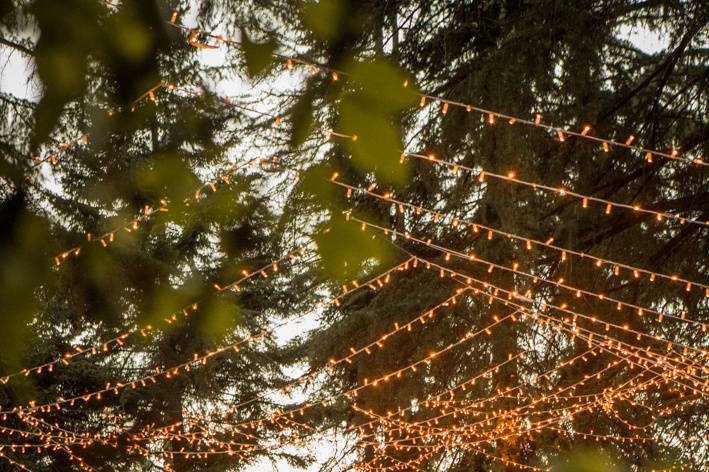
[
  {"x": 16, "y": 46},
  {"x": 666, "y": 66}
]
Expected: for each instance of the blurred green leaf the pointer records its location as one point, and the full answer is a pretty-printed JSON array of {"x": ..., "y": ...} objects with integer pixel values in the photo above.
[
  {"x": 24, "y": 267},
  {"x": 314, "y": 184},
  {"x": 378, "y": 144},
  {"x": 371, "y": 110},
  {"x": 219, "y": 318},
  {"x": 324, "y": 18},
  {"x": 62, "y": 72},
  {"x": 68, "y": 33},
  {"x": 162, "y": 301},
  {"x": 66, "y": 67},
  {"x": 382, "y": 84},
  {"x": 302, "y": 118},
  {"x": 129, "y": 38},
  {"x": 345, "y": 248},
  {"x": 222, "y": 207},
  {"x": 585, "y": 460},
  {"x": 257, "y": 56},
  {"x": 167, "y": 175}
]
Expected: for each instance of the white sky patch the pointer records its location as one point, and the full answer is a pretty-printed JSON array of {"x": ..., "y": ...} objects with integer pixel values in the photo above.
[
  {"x": 649, "y": 42},
  {"x": 15, "y": 73}
]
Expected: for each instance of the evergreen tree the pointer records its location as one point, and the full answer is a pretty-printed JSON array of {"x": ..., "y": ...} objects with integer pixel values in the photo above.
[
  {"x": 119, "y": 199},
  {"x": 134, "y": 196},
  {"x": 567, "y": 62}
]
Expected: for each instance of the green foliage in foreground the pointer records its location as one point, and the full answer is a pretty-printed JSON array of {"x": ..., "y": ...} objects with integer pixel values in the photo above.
[{"x": 120, "y": 149}]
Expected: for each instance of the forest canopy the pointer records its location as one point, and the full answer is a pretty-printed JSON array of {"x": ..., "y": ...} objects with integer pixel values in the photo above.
[{"x": 426, "y": 235}]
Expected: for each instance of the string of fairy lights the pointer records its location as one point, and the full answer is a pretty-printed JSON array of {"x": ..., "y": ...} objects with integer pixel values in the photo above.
[
  {"x": 481, "y": 175},
  {"x": 474, "y": 414},
  {"x": 379, "y": 343},
  {"x": 628, "y": 351},
  {"x": 373, "y": 284},
  {"x": 108, "y": 345},
  {"x": 530, "y": 242},
  {"x": 608, "y": 205},
  {"x": 528, "y": 294},
  {"x": 197, "y": 455},
  {"x": 493, "y": 116},
  {"x": 476, "y": 228}
]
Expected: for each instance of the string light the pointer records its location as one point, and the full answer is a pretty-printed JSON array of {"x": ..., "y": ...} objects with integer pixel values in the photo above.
[
  {"x": 557, "y": 395},
  {"x": 529, "y": 242},
  {"x": 442, "y": 432},
  {"x": 447, "y": 432},
  {"x": 670, "y": 371},
  {"x": 52, "y": 156},
  {"x": 13, "y": 462},
  {"x": 466, "y": 337},
  {"x": 147, "y": 212},
  {"x": 119, "y": 340},
  {"x": 197, "y": 359},
  {"x": 371, "y": 383},
  {"x": 577, "y": 331},
  {"x": 585, "y": 199},
  {"x": 409, "y": 237},
  {"x": 606, "y": 144}
]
